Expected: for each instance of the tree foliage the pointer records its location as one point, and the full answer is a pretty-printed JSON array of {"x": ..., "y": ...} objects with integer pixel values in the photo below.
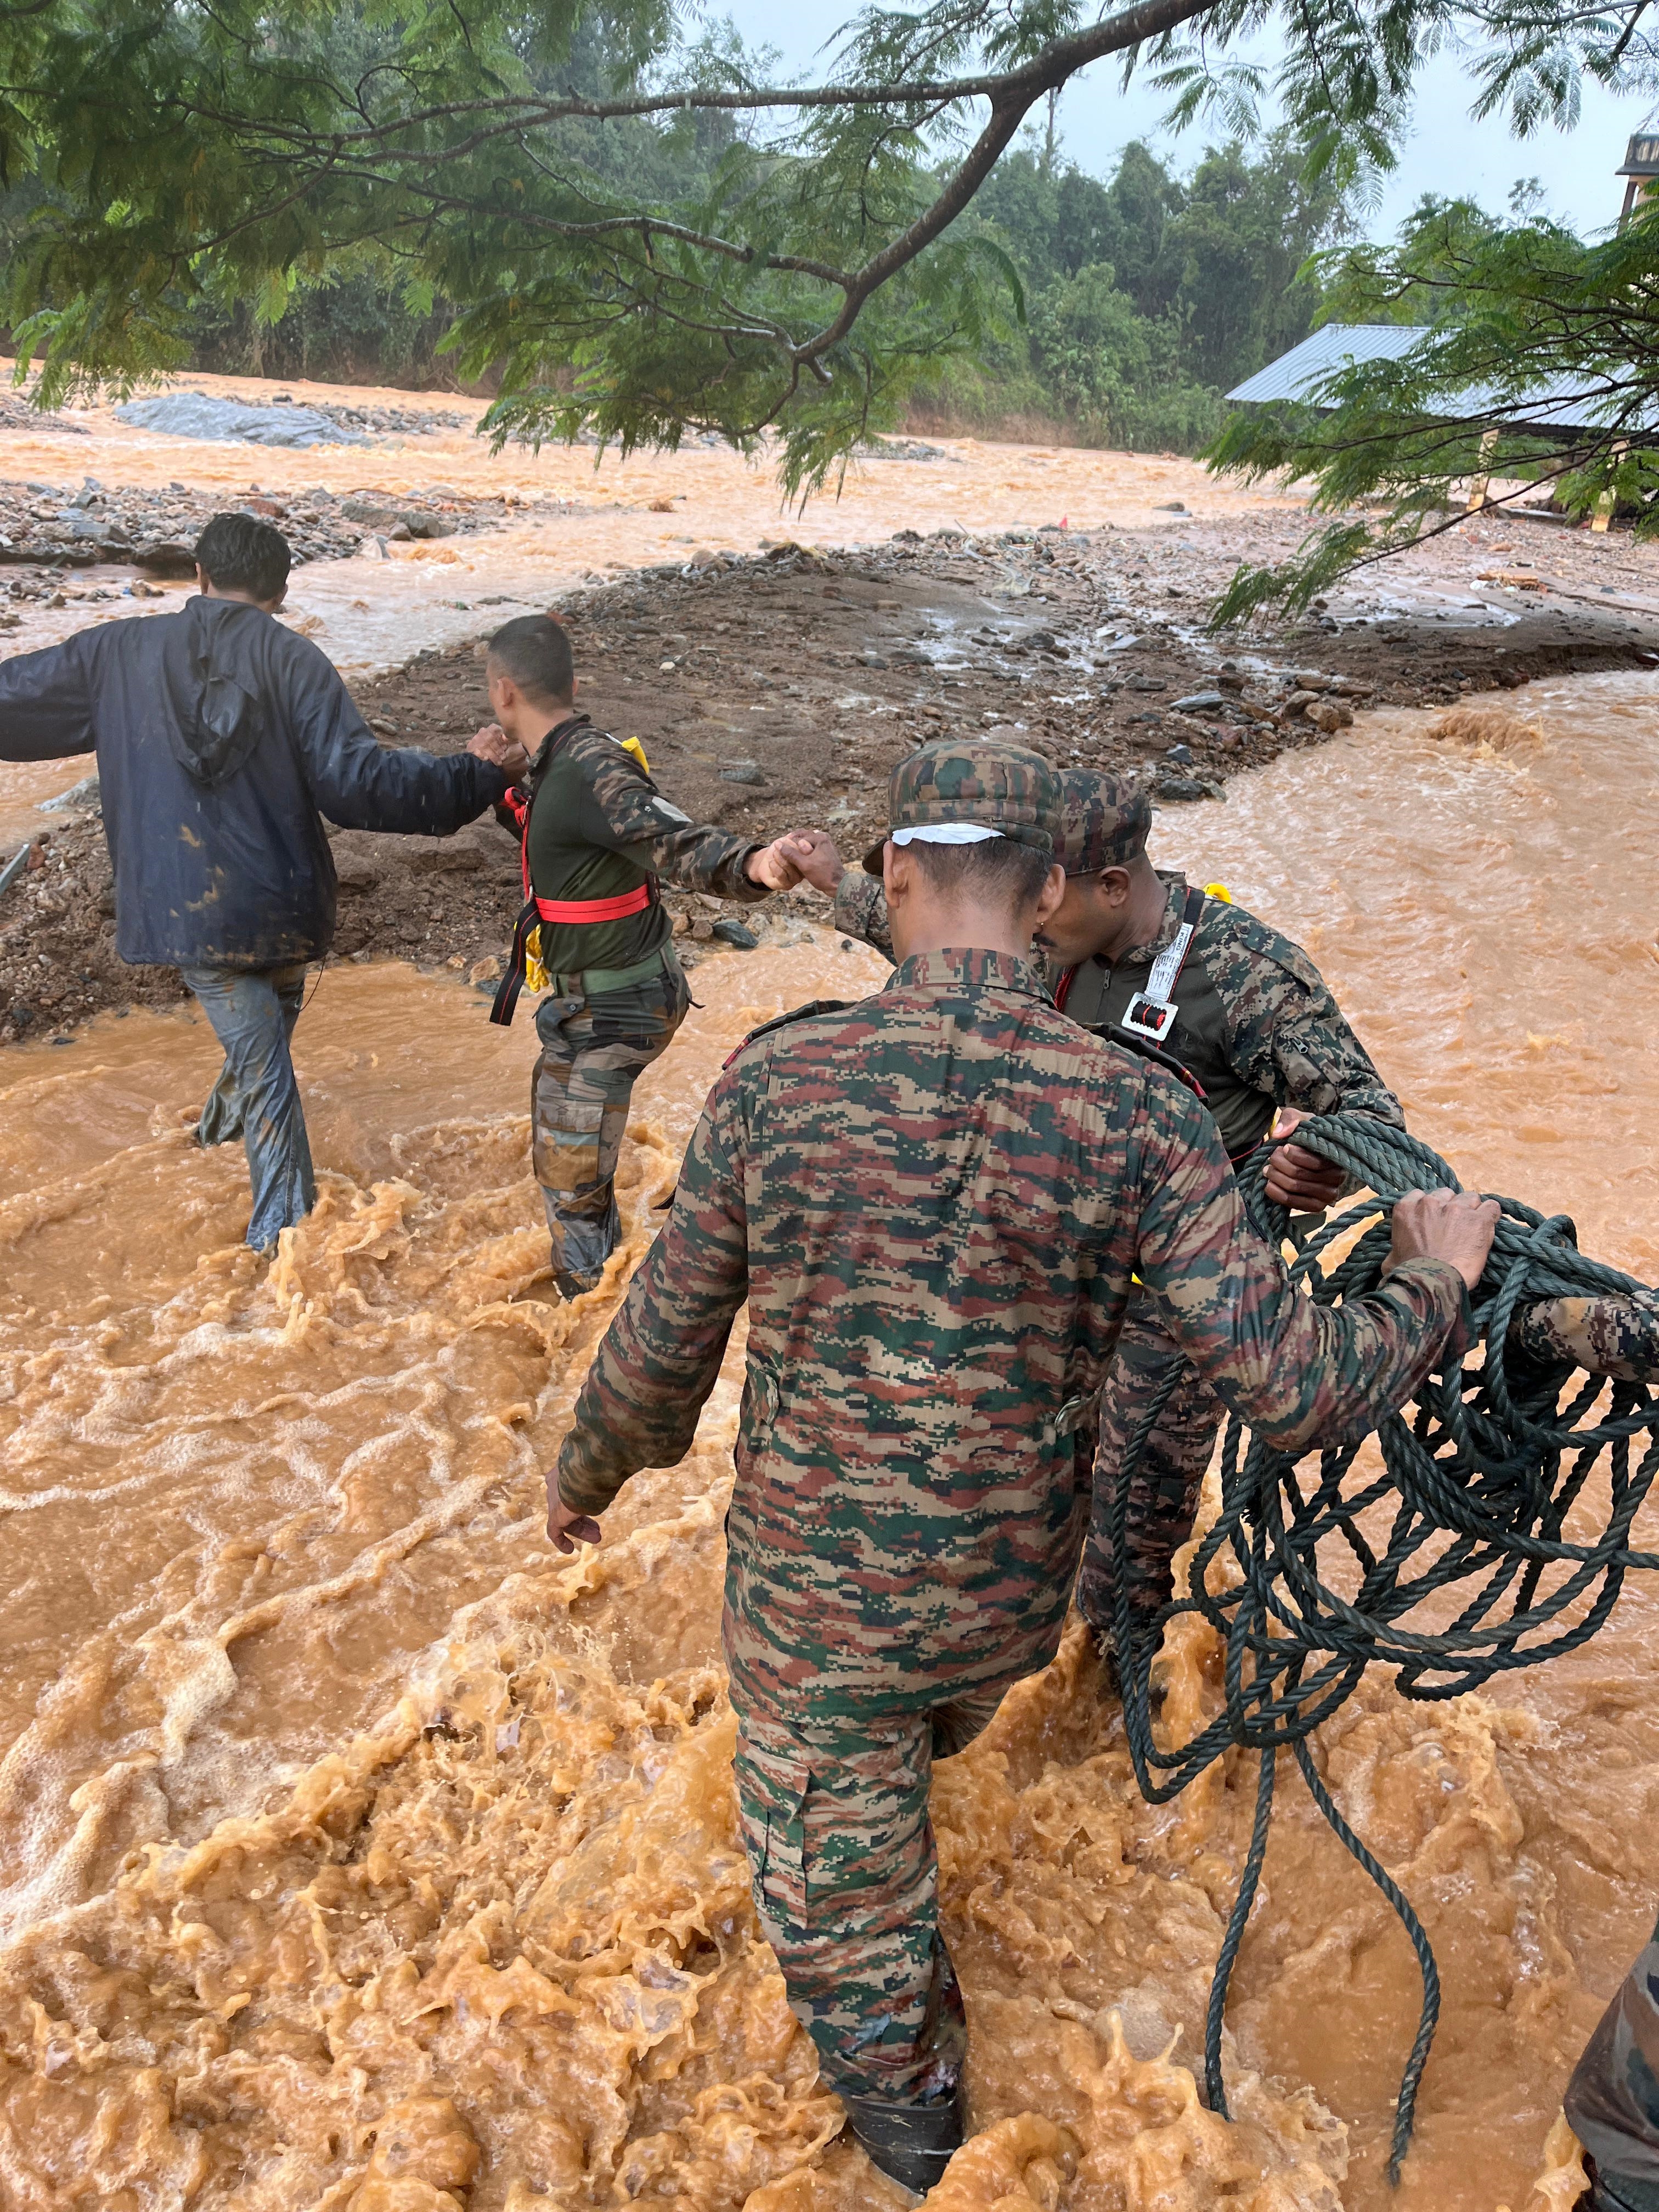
[
  {"x": 1148, "y": 293},
  {"x": 1522, "y": 323},
  {"x": 639, "y": 236}
]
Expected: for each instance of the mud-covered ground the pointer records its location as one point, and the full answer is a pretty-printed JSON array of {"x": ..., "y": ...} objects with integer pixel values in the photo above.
[{"x": 780, "y": 689}]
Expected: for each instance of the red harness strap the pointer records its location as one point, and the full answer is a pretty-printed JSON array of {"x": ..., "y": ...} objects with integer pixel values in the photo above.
[{"x": 598, "y": 909}]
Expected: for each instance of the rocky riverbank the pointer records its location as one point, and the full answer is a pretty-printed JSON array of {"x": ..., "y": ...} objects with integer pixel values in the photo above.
[
  {"x": 47, "y": 530},
  {"x": 781, "y": 688}
]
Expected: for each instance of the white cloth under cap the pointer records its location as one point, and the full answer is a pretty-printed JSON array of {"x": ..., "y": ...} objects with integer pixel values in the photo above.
[{"x": 945, "y": 833}]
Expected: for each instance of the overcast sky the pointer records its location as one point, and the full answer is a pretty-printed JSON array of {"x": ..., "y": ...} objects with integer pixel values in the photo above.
[{"x": 1449, "y": 153}]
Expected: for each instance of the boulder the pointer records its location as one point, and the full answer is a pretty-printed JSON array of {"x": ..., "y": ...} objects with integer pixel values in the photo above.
[{"x": 195, "y": 415}]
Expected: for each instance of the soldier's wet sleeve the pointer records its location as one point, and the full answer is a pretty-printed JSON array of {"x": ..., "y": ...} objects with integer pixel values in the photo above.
[
  {"x": 861, "y": 911},
  {"x": 1612, "y": 1335},
  {"x": 1296, "y": 1371},
  {"x": 659, "y": 1359},
  {"x": 1286, "y": 1036},
  {"x": 621, "y": 809}
]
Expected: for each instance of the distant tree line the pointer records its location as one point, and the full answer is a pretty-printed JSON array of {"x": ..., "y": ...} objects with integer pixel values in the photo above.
[{"x": 1145, "y": 296}]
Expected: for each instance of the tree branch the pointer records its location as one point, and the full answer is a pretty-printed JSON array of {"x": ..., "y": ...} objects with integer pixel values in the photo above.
[{"x": 1130, "y": 27}]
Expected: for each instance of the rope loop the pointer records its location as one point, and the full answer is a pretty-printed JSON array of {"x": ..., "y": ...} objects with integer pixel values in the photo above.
[{"x": 1450, "y": 1562}]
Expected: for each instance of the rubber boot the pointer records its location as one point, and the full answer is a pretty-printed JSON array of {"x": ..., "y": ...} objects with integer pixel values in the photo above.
[
  {"x": 1617, "y": 2192},
  {"x": 911, "y": 2143}
]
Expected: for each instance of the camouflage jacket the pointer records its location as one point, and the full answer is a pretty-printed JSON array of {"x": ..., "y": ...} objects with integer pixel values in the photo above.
[
  {"x": 599, "y": 827},
  {"x": 1258, "y": 1025},
  {"x": 933, "y": 1202}
]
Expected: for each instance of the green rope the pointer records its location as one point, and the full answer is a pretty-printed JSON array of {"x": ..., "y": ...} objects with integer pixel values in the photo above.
[{"x": 1480, "y": 1475}]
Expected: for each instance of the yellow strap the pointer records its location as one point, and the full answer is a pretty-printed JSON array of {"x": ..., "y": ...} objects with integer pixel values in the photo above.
[
  {"x": 632, "y": 745},
  {"x": 535, "y": 976},
  {"x": 1218, "y": 891}
]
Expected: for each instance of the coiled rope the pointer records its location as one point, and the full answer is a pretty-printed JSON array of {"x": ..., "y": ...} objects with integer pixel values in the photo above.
[{"x": 1480, "y": 1473}]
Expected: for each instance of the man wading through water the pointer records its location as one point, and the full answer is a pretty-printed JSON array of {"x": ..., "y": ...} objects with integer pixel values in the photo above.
[
  {"x": 222, "y": 740},
  {"x": 933, "y": 1202},
  {"x": 1134, "y": 948},
  {"x": 598, "y": 838}
]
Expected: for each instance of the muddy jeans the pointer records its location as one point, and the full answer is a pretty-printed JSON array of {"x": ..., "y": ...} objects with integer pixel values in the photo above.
[
  {"x": 593, "y": 1052},
  {"x": 834, "y": 1814},
  {"x": 1164, "y": 1496},
  {"x": 253, "y": 1011}
]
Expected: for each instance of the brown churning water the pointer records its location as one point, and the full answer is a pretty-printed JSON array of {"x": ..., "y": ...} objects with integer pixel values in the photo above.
[{"x": 360, "y": 1852}]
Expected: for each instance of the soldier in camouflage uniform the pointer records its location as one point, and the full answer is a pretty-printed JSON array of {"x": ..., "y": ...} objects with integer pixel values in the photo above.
[
  {"x": 1612, "y": 2102},
  {"x": 933, "y": 1202},
  {"x": 1612, "y": 2099},
  {"x": 598, "y": 838},
  {"x": 1255, "y": 1026}
]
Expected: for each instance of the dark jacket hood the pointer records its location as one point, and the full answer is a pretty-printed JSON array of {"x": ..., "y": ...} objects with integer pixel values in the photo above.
[{"x": 219, "y": 722}]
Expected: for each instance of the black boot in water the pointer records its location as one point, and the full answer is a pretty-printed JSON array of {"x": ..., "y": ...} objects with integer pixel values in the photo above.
[{"x": 911, "y": 2143}]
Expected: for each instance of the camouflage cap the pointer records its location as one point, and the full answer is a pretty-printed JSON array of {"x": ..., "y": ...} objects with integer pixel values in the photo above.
[
  {"x": 989, "y": 785},
  {"x": 1105, "y": 821}
]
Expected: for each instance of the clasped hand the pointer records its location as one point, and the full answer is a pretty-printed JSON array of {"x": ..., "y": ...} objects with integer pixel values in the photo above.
[
  {"x": 798, "y": 856},
  {"x": 492, "y": 745}
]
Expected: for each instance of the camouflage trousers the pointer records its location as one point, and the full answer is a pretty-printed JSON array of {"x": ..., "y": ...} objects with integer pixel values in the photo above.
[
  {"x": 1612, "y": 2099},
  {"x": 593, "y": 1052},
  {"x": 1164, "y": 1495},
  {"x": 846, "y": 1882}
]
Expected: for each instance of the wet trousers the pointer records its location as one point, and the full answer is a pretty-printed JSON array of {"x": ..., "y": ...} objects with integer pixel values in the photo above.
[
  {"x": 846, "y": 1882},
  {"x": 593, "y": 1052},
  {"x": 1612, "y": 2099},
  {"x": 253, "y": 1011},
  {"x": 1164, "y": 1496}
]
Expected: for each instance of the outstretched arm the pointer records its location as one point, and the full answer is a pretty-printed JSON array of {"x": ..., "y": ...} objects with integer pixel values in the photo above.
[
  {"x": 360, "y": 784},
  {"x": 1616, "y": 1334},
  {"x": 621, "y": 809},
  {"x": 46, "y": 704},
  {"x": 1297, "y": 1372},
  {"x": 659, "y": 1359}
]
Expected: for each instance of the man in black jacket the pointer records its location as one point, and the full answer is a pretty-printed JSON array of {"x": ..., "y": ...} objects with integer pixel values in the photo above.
[{"x": 222, "y": 740}]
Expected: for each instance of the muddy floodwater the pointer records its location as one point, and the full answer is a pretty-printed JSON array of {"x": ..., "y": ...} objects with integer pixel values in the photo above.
[{"x": 360, "y": 1852}]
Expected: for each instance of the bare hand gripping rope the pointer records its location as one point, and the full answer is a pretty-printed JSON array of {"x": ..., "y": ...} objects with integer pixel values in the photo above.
[{"x": 1481, "y": 1473}]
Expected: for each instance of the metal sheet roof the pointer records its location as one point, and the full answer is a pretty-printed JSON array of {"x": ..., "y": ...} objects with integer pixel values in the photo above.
[
  {"x": 1559, "y": 404},
  {"x": 1326, "y": 350}
]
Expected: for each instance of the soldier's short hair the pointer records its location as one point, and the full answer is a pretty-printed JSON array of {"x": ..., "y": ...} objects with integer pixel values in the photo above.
[
  {"x": 240, "y": 553},
  {"x": 999, "y": 872},
  {"x": 535, "y": 652}
]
